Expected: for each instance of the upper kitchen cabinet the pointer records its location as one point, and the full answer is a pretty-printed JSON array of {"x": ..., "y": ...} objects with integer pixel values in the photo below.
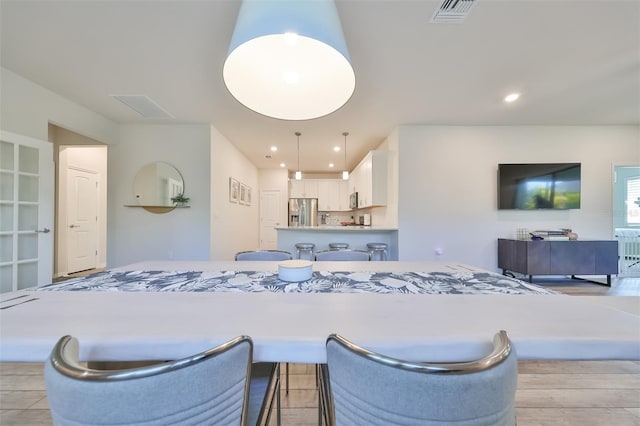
[
  {"x": 333, "y": 195},
  {"x": 304, "y": 188},
  {"x": 369, "y": 180}
]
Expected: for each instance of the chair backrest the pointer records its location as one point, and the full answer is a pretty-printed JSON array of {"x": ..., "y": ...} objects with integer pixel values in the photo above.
[
  {"x": 263, "y": 255},
  {"x": 346, "y": 255},
  {"x": 210, "y": 387},
  {"x": 369, "y": 388}
]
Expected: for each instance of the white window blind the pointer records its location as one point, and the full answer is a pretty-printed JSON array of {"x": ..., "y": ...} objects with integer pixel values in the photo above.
[{"x": 633, "y": 201}]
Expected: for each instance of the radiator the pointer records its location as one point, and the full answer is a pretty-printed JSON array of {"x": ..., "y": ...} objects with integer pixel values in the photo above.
[{"x": 629, "y": 255}]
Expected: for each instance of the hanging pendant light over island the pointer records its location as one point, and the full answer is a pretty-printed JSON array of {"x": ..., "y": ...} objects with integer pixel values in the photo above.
[{"x": 289, "y": 60}]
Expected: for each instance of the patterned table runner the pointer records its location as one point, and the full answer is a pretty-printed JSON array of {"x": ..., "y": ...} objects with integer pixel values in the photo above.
[{"x": 458, "y": 282}]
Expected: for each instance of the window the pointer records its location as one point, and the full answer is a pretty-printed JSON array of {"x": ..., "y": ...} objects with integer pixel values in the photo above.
[{"x": 633, "y": 201}]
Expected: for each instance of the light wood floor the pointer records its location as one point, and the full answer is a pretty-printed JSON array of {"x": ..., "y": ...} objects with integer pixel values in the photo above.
[{"x": 558, "y": 393}]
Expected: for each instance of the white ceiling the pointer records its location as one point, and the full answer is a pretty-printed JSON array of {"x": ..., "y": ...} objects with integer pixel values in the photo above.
[{"x": 575, "y": 62}]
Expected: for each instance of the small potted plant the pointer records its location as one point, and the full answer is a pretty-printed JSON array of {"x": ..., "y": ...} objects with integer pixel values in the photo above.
[{"x": 179, "y": 200}]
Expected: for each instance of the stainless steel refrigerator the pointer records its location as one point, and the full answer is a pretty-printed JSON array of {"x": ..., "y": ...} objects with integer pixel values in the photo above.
[{"x": 303, "y": 212}]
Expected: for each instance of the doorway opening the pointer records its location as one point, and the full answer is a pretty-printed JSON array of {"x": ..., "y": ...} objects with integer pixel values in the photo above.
[{"x": 80, "y": 202}]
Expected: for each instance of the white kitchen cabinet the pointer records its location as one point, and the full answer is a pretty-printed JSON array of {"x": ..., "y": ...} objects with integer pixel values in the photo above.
[
  {"x": 327, "y": 199},
  {"x": 310, "y": 188},
  {"x": 304, "y": 188},
  {"x": 333, "y": 195},
  {"x": 343, "y": 195},
  {"x": 355, "y": 180},
  {"x": 370, "y": 179},
  {"x": 296, "y": 189}
]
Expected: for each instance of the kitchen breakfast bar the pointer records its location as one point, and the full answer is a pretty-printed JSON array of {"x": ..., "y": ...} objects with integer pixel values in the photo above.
[{"x": 356, "y": 236}]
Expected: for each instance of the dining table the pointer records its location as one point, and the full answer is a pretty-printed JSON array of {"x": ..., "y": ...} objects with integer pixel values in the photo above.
[{"x": 416, "y": 311}]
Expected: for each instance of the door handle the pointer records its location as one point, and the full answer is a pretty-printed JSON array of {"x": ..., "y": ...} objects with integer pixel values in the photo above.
[
  {"x": 43, "y": 231},
  {"x": 74, "y": 226}
]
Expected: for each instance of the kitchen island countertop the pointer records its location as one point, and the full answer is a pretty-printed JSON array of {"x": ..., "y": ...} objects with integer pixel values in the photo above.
[
  {"x": 355, "y": 235},
  {"x": 337, "y": 228}
]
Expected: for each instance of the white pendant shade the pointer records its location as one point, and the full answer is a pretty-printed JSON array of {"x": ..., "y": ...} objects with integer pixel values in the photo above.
[{"x": 289, "y": 60}]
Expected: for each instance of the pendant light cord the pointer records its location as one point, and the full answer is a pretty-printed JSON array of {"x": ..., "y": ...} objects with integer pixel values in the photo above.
[
  {"x": 298, "y": 136},
  {"x": 345, "y": 134}
]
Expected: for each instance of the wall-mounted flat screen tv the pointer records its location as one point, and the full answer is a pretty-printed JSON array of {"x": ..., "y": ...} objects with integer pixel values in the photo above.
[{"x": 539, "y": 186}]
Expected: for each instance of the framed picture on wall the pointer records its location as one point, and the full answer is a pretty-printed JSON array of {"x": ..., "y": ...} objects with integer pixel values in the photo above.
[
  {"x": 234, "y": 190},
  {"x": 243, "y": 193},
  {"x": 248, "y": 195}
]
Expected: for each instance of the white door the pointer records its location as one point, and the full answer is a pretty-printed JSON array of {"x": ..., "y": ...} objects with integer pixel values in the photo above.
[
  {"x": 270, "y": 210},
  {"x": 26, "y": 212},
  {"x": 82, "y": 220}
]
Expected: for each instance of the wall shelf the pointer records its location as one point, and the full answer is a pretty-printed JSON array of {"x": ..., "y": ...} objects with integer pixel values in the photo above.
[{"x": 157, "y": 209}]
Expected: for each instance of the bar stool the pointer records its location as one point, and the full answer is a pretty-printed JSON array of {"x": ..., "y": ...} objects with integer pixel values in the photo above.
[
  {"x": 305, "y": 251},
  {"x": 338, "y": 246},
  {"x": 378, "y": 251}
]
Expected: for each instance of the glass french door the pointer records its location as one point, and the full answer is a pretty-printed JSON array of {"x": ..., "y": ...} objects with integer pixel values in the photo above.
[
  {"x": 626, "y": 219},
  {"x": 26, "y": 212}
]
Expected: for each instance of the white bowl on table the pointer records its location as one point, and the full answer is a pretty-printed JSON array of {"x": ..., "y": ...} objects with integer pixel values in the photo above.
[{"x": 295, "y": 270}]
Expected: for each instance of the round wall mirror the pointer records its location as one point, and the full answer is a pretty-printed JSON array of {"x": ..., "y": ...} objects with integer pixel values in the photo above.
[{"x": 156, "y": 183}]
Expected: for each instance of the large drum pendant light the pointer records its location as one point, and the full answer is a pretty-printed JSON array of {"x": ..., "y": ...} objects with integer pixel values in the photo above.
[{"x": 289, "y": 59}]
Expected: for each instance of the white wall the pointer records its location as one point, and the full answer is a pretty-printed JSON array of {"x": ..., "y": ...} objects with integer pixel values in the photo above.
[
  {"x": 90, "y": 158},
  {"x": 448, "y": 185},
  {"x": 135, "y": 234},
  {"x": 27, "y": 109},
  {"x": 234, "y": 227}
]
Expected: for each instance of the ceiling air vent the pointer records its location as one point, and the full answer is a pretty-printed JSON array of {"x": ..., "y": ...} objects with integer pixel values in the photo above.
[
  {"x": 143, "y": 105},
  {"x": 452, "y": 11}
]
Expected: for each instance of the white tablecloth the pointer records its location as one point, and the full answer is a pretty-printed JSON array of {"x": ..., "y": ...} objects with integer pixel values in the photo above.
[{"x": 294, "y": 327}]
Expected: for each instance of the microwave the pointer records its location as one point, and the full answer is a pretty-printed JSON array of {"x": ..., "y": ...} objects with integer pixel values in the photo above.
[{"x": 353, "y": 200}]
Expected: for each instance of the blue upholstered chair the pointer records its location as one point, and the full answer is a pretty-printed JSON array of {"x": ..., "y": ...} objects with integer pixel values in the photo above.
[
  {"x": 263, "y": 255},
  {"x": 359, "y": 386},
  {"x": 207, "y": 388},
  {"x": 343, "y": 255}
]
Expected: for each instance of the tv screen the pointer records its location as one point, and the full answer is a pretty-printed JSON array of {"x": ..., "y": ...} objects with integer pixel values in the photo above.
[{"x": 539, "y": 186}]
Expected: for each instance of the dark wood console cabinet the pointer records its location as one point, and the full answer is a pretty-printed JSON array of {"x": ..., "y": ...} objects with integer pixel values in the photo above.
[{"x": 548, "y": 257}]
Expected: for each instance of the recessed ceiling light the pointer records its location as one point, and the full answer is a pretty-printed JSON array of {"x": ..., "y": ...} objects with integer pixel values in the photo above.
[
  {"x": 274, "y": 148},
  {"x": 283, "y": 165},
  {"x": 336, "y": 148},
  {"x": 330, "y": 165},
  {"x": 512, "y": 97}
]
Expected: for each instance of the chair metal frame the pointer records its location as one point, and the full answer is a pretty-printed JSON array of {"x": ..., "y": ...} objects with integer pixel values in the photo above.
[
  {"x": 272, "y": 392},
  {"x": 335, "y": 254},
  {"x": 502, "y": 348},
  {"x": 285, "y": 255}
]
